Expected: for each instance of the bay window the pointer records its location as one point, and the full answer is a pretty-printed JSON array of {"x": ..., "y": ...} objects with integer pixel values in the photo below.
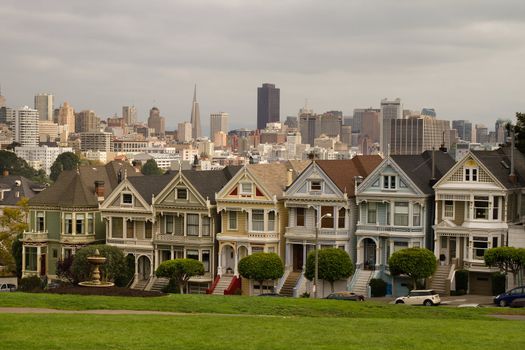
[
  {"x": 79, "y": 219},
  {"x": 68, "y": 222},
  {"x": 372, "y": 213},
  {"x": 481, "y": 207},
  {"x": 31, "y": 258},
  {"x": 341, "y": 218},
  {"x": 401, "y": 214},
  {"x": 299, "y": 214},
  {"x": 169, "y": 224},
  {"x": 480, "y": 244},
  {"x": 416, "y": 215},
  {"x": 232, "y": 220}
]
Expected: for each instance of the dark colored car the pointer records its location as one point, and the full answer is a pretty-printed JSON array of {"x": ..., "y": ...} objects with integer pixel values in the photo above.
[
  {"x": 505, "y": 299},
  {"x": 346, "y": 296}
]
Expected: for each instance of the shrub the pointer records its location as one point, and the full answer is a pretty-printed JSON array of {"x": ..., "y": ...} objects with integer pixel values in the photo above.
[
  {"x": 498, "y": 283},
  {"x": 334, "y": 265},
  {"x": 172, "y": 287},
  {"x": 261, "y": 266},
  {"x": 461, "y": 280},
  {"x": 64, "y": 271},
  {"x": 31, "y": 284},
  {"x": 114, "y": 269},
  {"x": 377, "y": 287},
  {"x": 180, "y": 270},
  {"x": 416, "y": 263}
]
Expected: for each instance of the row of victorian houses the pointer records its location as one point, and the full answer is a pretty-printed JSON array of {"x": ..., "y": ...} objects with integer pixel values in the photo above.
[{"x": 377, "y": 206}]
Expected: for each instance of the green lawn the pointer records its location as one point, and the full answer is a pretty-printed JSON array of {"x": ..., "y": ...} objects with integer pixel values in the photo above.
[{"x": 228, "y": 322}]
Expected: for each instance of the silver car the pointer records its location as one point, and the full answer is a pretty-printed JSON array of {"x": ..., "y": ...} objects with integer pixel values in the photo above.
[
  {"x": 7, "y": 287},
  {"x": 425, "y": 297}
]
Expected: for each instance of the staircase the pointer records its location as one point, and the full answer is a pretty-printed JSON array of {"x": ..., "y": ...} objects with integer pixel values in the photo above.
[
  {"x": 439, "y": 280},
  {"x": 140, "y": 284},
  {"x": 224, "y": 282},
  {"x": 360, "y": 286},
  {"x": 159, "y": 284},
  {"x": 290, "y": 283}
]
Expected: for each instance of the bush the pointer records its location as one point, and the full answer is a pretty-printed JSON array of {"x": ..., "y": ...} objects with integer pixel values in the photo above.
[
  {"x": 416, "y": 263},
  {"x": 462, "y": 280},
  {"x": 114, "y": 269},
  {"x": 377, "y": 287},
  {"x": 64, "y": 269},
  {"x": 31, "y": 284},
  {"x": 334, "y": 265},
  {"x": 172, "y": 287},
  {"x": 261, "y": 267},
  {"x": 180, "y": 271},
  {"x": 498, "y": 283}
]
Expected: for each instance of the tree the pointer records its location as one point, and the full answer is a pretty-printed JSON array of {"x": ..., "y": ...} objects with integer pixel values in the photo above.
[
  {"x": 114, "y": 269},
  {"x": 180, "y": 271},
  {"x": 64, "y": 269},
  {"x": 13, "y": 223},
  {"x": 519, "y": 130},
  {"x": 416, "y": 263},
  {"x": 334, "y": 265},
  {"x": 151, "y": 168},
  {"x": 18, "y": 166},
  {"x": 507, "y": 259},
  {"x": 64, "y": 161},
  {"x": 260, "y": 267}
]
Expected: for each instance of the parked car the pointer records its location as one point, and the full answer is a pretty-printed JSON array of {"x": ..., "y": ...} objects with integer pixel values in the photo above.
[
  {"x": 7, "y": 287},
  {"x": 520, "y": 302},
  {"x": 425, "y": 297},
  {"x": 346, "y": 296},
  {"x": 505, "y": 299}
]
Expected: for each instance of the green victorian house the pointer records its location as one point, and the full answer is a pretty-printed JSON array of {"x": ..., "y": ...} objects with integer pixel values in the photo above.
[{"x": 66, "y": 216}]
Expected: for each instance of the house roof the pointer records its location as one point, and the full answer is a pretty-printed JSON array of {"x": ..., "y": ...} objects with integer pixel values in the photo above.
[
  {"x": 76, "y": 188},
  {"x": 150, "y": 185},
  {"x": 15, "y": 187},
  {"x": 209, "y": 182},
  {"x": 498, "y": 163},
  {"x": 419, "y": 168},
  {"x": 342, "y": 172},
  {"x": 274, "y": 176}
]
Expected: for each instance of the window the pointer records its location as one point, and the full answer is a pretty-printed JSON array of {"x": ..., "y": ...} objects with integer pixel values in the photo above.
[
  {"x": 494, "y": 242},
  {"x": 481, "y": 207},
  {"x": 68, "y": 224},
  {"x": 55, "y": 253},
  {"x": 127, "y": 198},
  {"x": 79, "y": 226},
  {"x": 372, "y": 213},
  {"x": 169, "y": 224},
  {"x": 315, "y": 185},
  {"x": 471, "y": 174},
  {"x": 148, "y": 230},
  {"x": 31, "y": 257},
  {"x": 192, "y": 224},
  {"x": 449, "y": 209},
  {"x": 257, "y": 249},
  {"x": 480, "y": 244},
  {"x": 68, "y": 252},
  {"x": 182, "y": 193},
  {"x": 400, "y": 245},
  {"x": 40, "y": 225},
  {"x": 401, "y": 214},
  {"x": 416, "y": 215},
  {"x": 206, "y": 225},
  {"x": 206, "y": 260},
  {"x": 341, "y": 218},
  {"x": 117, "y": 228},
  {"x": 389, "y": 182},
  {"x": 271, "y": 221},
  {"x": 246, "y": 188},
  {"x": 192, "y": 254},
  {"x": 258, "y": 220},
  {"x": 232, "y": 220},
  {"x": 299, "y": 221},
  {"x": 495, "y": 208},
  {"x": 90, "y": 224},
  {"x": 416, "y": 245},
  {"x": 130, "y": 229},
  {"x": 327, "y": 222}
]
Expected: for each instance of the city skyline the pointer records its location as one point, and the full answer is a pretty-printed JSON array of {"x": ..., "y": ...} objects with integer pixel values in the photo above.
[{"x": 463, "y": 61}]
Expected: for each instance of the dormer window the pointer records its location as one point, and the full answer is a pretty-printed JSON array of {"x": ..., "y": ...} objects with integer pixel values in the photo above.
[
  {"x": 246, "y": 188},
  {"x": 389, "y": 182},
  {"x": 315, "y": 185},
  {"x": 182, "y": 193},
  {"x": 127, "y": 199},
  {"x": 471, "y": 174}
]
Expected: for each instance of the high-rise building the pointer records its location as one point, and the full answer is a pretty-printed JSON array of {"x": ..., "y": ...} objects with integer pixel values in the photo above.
[
  {"x": 66, "y": 116},
  {"x": 465, "y": 130},
  {"x": 184, "y": 132},
  {"x": 44, "y": 106},
  {"x": 196, "y": 130},
  {"x": 389, "y": 110},
  {"x": 218, "y": 122},
  {"x": 482, "y": 134},
  {"x": 47, "y": 131},
  {"x": 86, "y": 121},
  {"x": 155, "y": 121},
  {"x": 416, "y": 135},
  {"x": 129, "y": 113},
  {"x": 2, "y": 99},
  {"x": 310, "y": 127},
  {"x": 95, "y": 141},
  {"x": 500, "y": 130},
  {"x": 25, "y": 121},
  {"x": 370, "y": 126},
  {"x": 268, "y": 105},
  {"x": 331, "y": 123}
]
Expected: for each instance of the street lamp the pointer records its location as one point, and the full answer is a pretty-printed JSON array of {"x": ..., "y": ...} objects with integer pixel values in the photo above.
[{"x": 317, "y": 227}]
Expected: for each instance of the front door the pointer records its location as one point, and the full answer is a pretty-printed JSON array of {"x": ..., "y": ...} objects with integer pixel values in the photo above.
[
  {"x": 369, "y": 261},
  {"x": 144, "y": 267},
  {"x": 43, "y": 265},
  {"x": 298, "y": 258},
  {"x": 452, "y": 249}
]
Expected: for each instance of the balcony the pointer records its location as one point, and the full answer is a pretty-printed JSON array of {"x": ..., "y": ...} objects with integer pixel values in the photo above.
[
  {"x": 389, "y": 230},
  {"x": 263, "y": 235},
  {"x": 77, "y": 239},
  {"x": 32, "y": 236},
  {"x": 309, "y": 233},
  {"x": 130, "y": 242},
  {"x": 180, "y": 239}
]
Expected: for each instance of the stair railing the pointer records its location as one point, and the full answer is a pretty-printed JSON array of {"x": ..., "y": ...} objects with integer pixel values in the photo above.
[{"x": 213, "y": 285}]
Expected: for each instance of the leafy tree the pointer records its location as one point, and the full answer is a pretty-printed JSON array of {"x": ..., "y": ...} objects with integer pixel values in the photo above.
[
  {"x": 180, "y": 271},
  {"x": 18, "y": 166},
  {"x": 114, "y": 269},
  {"x": 416, "y": 263},
  {"x": 16, "y": 251},
  {"x": 260, "y": 267},
  {"x": 64, "y": 269},
  {"x": 334, "y": 265},
  {"x": 64, "y": 161},
  {"x": 151, "y": 168},
  {"x": 13, "y": 223},
  {"x": 507, "y": 259},
  {"x": 519, "y": 130}
]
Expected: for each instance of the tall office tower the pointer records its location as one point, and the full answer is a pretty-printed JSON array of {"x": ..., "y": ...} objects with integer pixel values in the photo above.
[
  {"x": 482, "y": 134},
  {"x": 184, "y": 132},
  {"x": 218, "y": 122},
  {"x": 331, "y": 123},
  {"x": 346, "y": 134},
  {"x": 500, "y": 130},
  {"x": 196, "y": 130},
  {"x": 129, "y": 113},
  {"x": 464, "y": 128},
  {"x": 66, "y": 116},
  {"x": 418, "y": 134},
  {"x": 2, "y": 98},
  {"x": 429, "y": 112},
  {"x": 86, "y": 121},
  {"x": 292, "y": 122},
  {"x": 310, "y": 127},
  {"x": 25, "y": 125},
  {"x": 268, "y": 105},
  {"x": 389, "y": 110},
  {"x": 370, "y": 129},
  {"x": 155, "y": 121},
  {"x": 44, "y": 106}
]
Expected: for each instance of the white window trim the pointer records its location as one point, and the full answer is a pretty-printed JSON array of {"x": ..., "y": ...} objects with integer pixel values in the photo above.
[
  {"x": 236, "y": 228},
  {"x": 470, "y": 174},
  {"x": 382, "y": 184},
  {"x": 241, "y": 189},
  {"x": 122, "y": 199},
  {"x": 321, "y": 184},
  {"x": 453, "y": 211},
  {"x": 177, "y": 194}
]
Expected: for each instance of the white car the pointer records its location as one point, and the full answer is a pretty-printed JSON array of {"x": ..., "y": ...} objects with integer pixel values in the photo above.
[
  {"x": 425, "y": 297},
  {"x": 7, "y": 287}
]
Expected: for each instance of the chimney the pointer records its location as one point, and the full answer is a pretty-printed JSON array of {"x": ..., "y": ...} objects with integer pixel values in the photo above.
[
  {"x": 5, "y": 172},
  {"x": 512, "y": 176},
  {"x": 99, "y": 189},
  {"x": 289, "y": 177}
]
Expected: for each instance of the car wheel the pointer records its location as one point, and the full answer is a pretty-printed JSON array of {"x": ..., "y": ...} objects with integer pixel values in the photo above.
[
  {"x": 428, "y": 303},
  {"x": 400, "y": 302},
  {"x": 502, "y": 303}
]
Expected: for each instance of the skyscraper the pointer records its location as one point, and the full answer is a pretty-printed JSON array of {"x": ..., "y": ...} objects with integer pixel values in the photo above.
[
  {"x": 418, "y": 134},
  {"x": 26, "y": 125},
  {"x": 196, "y": 130},
  {"x": 66, "y": 116},
  {"x": 44, "y": 106},
  {"x": 218, "y": 122},
  {"x": 86, "y": 121},
  {"x": 156, "y": 122},
  {"x": 184, "y": 131},
  {"x": 389, "y": 110},
  {"x": 268, "y": 105},
  {"x": 129, "y": 113},
  {"x": 465, "y": 130}
]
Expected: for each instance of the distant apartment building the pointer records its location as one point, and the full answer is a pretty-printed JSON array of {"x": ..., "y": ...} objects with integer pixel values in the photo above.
[
  {"x": 95, "y": 141},
  {"x": 129, "y": 146},
  {"x": 482, "y": 134},
  {"x": 465, "y": 130},
  {"x": 184, "y": 131},
  {"x": 331, "y": 123},
  {"x": 24, "y": 122},
  {"x": 156, "y": 122},
  {"x": 86, "y": 121},
  {"x": 413, "y": 136},
  {"x": 47, "y": 131},
  {"x": 41, "y": 157},
  {"x": 389, "y": 110},
  {"x": 218, "y": 122},
  {"x": 129, "y": 113},
  {"x": 268, "y": 105},
  {"x": 44, "y": 106},
  {"x": 66, "y": 116}
]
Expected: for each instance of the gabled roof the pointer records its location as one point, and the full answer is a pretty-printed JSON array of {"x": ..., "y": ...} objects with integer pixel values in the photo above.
[
  {"x": 498, "y": 163},
  {"x": 11, "y": 184},
  {"x": 343, "y": 172},
  {"x": 274, "y": 176},
  {"x": 77, "y": 188},
  {"x": 209, "y": 182},
  {"x": 419, "y": 168},
  {"x": 150, "y": 185}
]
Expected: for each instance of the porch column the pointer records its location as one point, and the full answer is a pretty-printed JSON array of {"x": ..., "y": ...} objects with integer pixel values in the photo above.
[
  {"x": 359, "y": 255},
  {"x": 23, "y": 260},
  {"x": 437, "y": 246},
  {"x": 287, "y": 256},
  {"x": 110, "y": 226},
  {"x": 136, "y": 267},
  {"x": 304, "y": 256},
  {"x": 156, "y": 262},
  {"x": 378, "y": 253},
  {"x": 236, "y": 259},
  {"x": 219, "y": 262},
  {"x": 38, "y": 262},
  {"x": 458, "y": 249},
  {"x": 171, "y": 253}
]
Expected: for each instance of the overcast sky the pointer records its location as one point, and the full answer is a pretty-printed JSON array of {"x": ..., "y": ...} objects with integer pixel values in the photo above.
[{"x": 464, "y": 58}]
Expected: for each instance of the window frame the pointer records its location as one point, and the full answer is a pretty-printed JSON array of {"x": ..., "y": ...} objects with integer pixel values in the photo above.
[
  {"x": 471, "y": 174},
  {"x": 401, "y": 215},
  {"x": 369, "y": 211},
  {"x": 233, "y": 218},
  {"x": 390, "y": 181},
  {"x": 259, "y": 213},
  {"x": 445, "y": 205},
  {"x": 300, "y": 218},
  {"x": 243, "y": 191},
  {"x": 192, "y": 227},
  {"x": 40, "y": 221},
  {"x": 124, "y": 202},
  {"x": 316, "y": 185},
  {"x": 180, "y": 191}
]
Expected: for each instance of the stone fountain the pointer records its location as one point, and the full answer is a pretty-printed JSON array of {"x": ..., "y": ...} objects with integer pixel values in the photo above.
[{"x": 96, "y": 260}]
